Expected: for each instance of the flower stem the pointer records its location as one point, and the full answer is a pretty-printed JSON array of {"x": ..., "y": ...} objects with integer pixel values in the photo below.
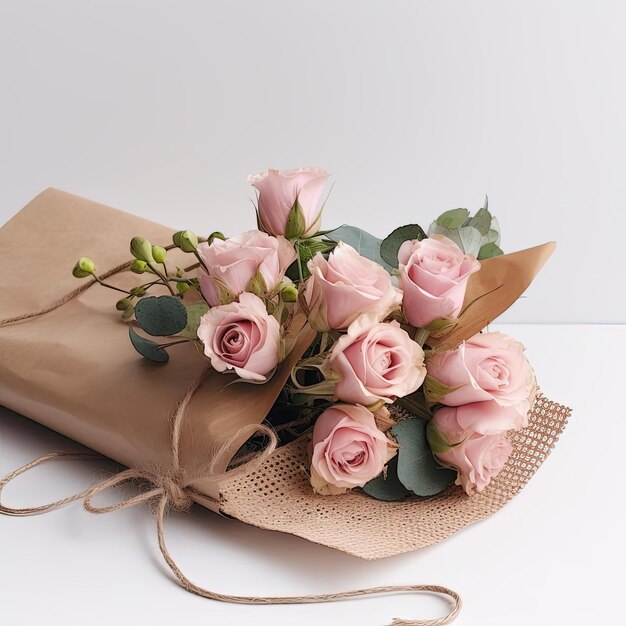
[
  {"x": 110, "y": 286},
  {"x": 421, "y": 335},
  {"x": 163, "y": 278}
]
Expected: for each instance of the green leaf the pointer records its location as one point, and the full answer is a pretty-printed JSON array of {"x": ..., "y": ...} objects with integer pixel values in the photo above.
[
  {"x": 489, "y": 250},
  {"x": 389, "y": 487},
  {"x": 194, "y": 312},
  {"x": 453, "y": 235},
  {"x": 418, "y": 469},
  {"x": 470, "y": 240},
  {"x": 391, "y": 244},
  {"x": 365, "y": 244},
  {"x": 148, "y": 349},
  {"x": 453, "y": 219},
  {"x": 161, "y": 315},
  {"x": 434, "y": 390},
  {"x": 481, "y": 221}
]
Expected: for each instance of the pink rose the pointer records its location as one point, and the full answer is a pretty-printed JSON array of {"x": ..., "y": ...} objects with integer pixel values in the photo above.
[
  {"x": 278, "y": 191},
  {"x": 348, "y": 449},
  {"x": 233, "y": 263},
  {"x": 346, "y": 285},
  {"x": 489, "y": 366},
  {"x": 433, "y": 276},
  {"x": 241, "y": 336},
  {"x": 477, "y": 457},
  {"x": 375, "y": 361}
]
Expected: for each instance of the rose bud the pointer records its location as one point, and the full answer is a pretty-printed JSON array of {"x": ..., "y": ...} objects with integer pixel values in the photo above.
[
  {"x": 182, "y": 288},
  {"x": 233, "y": 264},
  {"x": 139, "y": 267},
  {"x": 374, "y": 362},
  {"x": 489, "y": 366},
  {"x": 123, "y": 304},
  {"x": 84, "y": 267},
  {"x": 282, "y": 192},
  {"x": 186, "y": 240},
  {"x": 477, "y": 457},
  {"x": 433, "y": 276},
  {"x": 289, "y": 293},
  {"x": 141, "y": 249},
  {"x": 348, "y": 449},
  {"x": 159, "y": 254},
  {"x": 345, "y": 286},
  {"x": 241, "y": 336}
]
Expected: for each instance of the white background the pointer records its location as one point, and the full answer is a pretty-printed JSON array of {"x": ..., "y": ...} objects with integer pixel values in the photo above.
[{"x": 163, "y": 108}]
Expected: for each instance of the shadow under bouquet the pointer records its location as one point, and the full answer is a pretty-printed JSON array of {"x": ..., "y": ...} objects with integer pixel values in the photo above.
[{"x": 324, "y": 383}]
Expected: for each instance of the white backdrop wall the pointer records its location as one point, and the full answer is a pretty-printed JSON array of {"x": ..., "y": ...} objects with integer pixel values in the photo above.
[{"x": 163, "y": 107}]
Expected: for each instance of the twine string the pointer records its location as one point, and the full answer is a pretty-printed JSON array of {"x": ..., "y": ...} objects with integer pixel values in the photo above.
[{"x": 172, "y": 488}]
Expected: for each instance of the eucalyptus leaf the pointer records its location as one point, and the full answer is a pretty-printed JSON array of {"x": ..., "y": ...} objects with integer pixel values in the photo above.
[
  {"x": 161, "y": 316},
  {"x": 418, "y": 469},
  {"x": 481, "y": 221},
  {"x": 453, "y": 235},
  {"x": 391, "y": 244},
  {"x": 453, "y": 219},
  {"x": 470, "y": 240},
  {"x": 365, "y": 244},
  {"x": 491, "y": 237},
  {"x": 148, "y": 349},
  {"x": 194, "y": 312},
  {"x": 495, "y": 225},
  {"x": 489, "y": 250},
  {"x": 389, "y": 487}
]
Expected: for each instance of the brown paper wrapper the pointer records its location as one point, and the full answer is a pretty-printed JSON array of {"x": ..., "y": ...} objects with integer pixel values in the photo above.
[{"x": 74, "y": 370}]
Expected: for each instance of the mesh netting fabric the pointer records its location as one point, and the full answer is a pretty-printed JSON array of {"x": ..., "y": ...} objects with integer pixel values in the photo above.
[{"x": 278, "y": 496}]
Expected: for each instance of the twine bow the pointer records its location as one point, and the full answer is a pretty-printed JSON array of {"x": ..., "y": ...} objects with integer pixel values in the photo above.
[{"x": 172, "y": 488}]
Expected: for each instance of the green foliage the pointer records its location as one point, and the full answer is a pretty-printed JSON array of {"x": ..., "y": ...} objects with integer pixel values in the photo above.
[
  {"x": 472, "y": 234},
  {"x": 453, "y": 219},
  {"x": 148, "y": 349},
  {"x": 365, "y": 244},
  {"x": 489, "y": 250},
  {"x": 391, "y": 244},
  {"x": 194, "y": 312},
  {"x": 418, "y": 469},
  {"x": 387, "y": 487},
  {"x": 161, "y": 315}
]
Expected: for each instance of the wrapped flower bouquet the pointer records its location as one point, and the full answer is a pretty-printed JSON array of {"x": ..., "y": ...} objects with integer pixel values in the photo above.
[{"x": 302, "y": 378}]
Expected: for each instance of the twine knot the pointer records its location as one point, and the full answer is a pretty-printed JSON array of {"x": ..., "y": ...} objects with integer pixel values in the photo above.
[
  {"x": 171, "y": 487},
  {"x": 174, "y": 489}
]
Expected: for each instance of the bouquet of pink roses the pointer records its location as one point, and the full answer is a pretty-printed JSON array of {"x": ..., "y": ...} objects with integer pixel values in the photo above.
[{"x": 383, "y": 311}]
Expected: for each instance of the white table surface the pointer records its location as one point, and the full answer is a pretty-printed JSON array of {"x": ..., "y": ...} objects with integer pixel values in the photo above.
[{"x": 554, "y": 555}]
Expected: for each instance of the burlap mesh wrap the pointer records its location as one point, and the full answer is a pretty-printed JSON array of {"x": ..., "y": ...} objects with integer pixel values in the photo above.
[{"x": 278, "y": 496}]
